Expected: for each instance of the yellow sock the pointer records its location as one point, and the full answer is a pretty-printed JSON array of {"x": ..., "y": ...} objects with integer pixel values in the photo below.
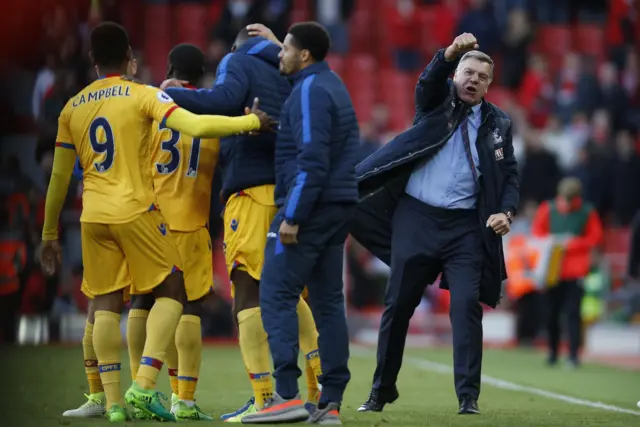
[
  {"x": 107, "y": 342},
  {"x": 90, "y": 360},
  {"x": 161, "y": 325},
  {"x": 308, "y": 336},
  {"x": 313, "y": 391},
  {"x": 255, "y": 353},
  {"x": 189, "y": 343},
  {"x": 309, "y": 346},
  {"x": 172, "y": 365},
  {"x": 136, "y": 336}
]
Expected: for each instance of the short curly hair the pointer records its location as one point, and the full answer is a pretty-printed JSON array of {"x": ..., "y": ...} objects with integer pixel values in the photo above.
[{"x": 312, "y": 37}]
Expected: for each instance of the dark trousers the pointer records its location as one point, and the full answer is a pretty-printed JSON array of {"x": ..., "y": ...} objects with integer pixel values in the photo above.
[
  {"x": 316, "y": 261},
  {"x": 565, "y": 297},
  {"x": 425, "y": 241},
  {"x": 528, "y": 319},
  {"x": 9, "y": 313}
]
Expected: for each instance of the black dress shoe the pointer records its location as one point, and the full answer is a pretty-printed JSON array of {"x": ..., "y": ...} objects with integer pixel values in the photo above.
[
  {"x": 468, "y": 405},
  {"x": 378, "y": 398}
]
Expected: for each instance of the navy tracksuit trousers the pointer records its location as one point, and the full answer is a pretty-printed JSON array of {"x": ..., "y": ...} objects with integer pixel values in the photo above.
[{"x": 315, "y": 261}]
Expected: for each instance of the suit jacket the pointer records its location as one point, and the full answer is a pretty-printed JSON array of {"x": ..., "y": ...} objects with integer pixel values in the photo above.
[{"x": 382, "y": 177}]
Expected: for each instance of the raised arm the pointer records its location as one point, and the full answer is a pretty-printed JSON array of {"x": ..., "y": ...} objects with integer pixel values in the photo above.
[{"x": 433, "y": 86}]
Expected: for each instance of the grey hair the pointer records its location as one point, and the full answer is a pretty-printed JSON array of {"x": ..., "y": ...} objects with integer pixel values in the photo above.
[{"x": 479, "y": 56}]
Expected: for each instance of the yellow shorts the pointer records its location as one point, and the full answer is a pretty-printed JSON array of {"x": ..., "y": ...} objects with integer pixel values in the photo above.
[
  {"x": 194, "y": 248},
  {"x": 123, "y": 279},
  {"x": 144, "y": 245},
  {"x": 247, "y": 218}
]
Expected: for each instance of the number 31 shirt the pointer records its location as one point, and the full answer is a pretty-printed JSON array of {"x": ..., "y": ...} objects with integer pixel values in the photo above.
[
  {"x": 109, "y": 124},
  {"x": 183, "y": 171}
]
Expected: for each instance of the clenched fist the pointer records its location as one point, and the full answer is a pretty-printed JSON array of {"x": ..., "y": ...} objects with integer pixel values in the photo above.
[{"x": 461, "y": 45}]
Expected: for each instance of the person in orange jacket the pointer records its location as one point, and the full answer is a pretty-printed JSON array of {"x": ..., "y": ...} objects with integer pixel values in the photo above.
[{"x": 568, "y": 215}]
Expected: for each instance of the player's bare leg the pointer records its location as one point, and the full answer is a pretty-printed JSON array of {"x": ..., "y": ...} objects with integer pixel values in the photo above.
[
  {"x": 189, "y": 344},
  {"x": 95, "y": 404},
  {"x": 163, "y": 318},
  {"x": 107, "y": 343}
]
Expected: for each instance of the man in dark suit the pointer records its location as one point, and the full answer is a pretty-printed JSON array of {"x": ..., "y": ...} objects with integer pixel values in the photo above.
[{"x": 442, "y": 194}]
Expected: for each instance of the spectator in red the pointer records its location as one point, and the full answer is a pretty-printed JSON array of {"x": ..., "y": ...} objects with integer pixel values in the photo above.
[
  {"x": 536, "y": 91},
  {"x": 403, "y": 28},
  {"x": 568, "y": 215},
  {"x": 621, "y": 27}
]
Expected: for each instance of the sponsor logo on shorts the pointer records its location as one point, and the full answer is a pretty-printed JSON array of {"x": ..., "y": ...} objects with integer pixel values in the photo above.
[
  {"x": 163, "y": 229},
  {"x": 234, "y": 224}
]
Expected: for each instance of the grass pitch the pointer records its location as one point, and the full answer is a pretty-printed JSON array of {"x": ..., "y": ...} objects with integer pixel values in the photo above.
[{"x": 520, "y": 391}]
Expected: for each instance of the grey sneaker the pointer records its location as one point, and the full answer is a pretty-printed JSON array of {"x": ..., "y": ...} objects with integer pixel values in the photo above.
[
  {"x": 328, "y": 416},
  {"x": 279, "y": 410}
]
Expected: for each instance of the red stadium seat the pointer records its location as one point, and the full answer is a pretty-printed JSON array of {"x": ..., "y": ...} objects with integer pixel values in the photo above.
[
  {"x": 395, "y": 89},
  {"x": 190, "y": 22},
  {"x": 157, "y": 39},
  {"x": 589, "y": 40},
  {"x": 300, "y": 11},
  {"x": 359, "y": 76},
  {"x": 499, "y": 95},
  {"x": 428, "y": 27},
  {"x": 336, "y": 62},
  {"x": 381, "y": 45},
  {"x": 361, "y": 38},
  {"x": 360, "y": 68},
  {"x": 554, "y": 39}
]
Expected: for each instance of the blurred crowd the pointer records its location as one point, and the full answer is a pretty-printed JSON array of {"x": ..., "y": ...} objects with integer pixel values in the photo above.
[{"x": 566, "y": 70}]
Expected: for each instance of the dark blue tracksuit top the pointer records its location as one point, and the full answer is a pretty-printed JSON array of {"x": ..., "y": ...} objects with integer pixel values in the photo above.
[
  {"x": 251, "y": 71},
  {"x": 317, "y": 147}
]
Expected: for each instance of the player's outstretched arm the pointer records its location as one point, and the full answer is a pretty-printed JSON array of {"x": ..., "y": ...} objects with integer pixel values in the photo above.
[
  {"x": 227, "y": 96},
  {"x": 64, "y": 160},
  {"x": 205, "y": 126}
]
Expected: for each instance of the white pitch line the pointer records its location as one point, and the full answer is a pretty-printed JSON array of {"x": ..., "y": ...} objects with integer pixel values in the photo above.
[{"x": 441, "y": 368}]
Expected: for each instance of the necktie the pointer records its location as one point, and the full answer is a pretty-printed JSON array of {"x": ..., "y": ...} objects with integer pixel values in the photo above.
[{"x": 464, "y": 129}]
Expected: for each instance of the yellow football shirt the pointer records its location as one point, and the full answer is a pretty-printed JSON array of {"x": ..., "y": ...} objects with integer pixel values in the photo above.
[
  {"x": 109, "y": 125},
  {"x": 183, "y": 174}
]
